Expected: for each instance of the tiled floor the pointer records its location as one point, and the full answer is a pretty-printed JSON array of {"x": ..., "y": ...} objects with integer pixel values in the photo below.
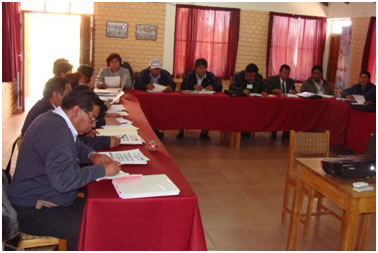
[{"x": 239, "y": 191}]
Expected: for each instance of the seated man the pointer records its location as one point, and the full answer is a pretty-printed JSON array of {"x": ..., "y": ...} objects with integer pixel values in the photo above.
[
  {"x": 48, "y": 175},
  {"x": 316, "y": 84},
  {"x": 154, "y": 74},
  {"x": 199, "y": 79},
  {"x": 55, "y": 89},
  {"x": 364, "y": 87},
  {"x": 62, "y": 67},
  {"x": 281, "y": 84},
  {"x": 249, "y": 81}
]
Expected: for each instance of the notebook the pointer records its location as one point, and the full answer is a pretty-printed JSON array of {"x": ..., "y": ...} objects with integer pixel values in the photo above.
[{"x": 145, "y": 187}]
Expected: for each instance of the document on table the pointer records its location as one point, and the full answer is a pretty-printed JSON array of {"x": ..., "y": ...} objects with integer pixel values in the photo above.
[
  {"x": 108, "y": 131},
  {"x": 106, "y": 98},
  {"x": 113, "y": 81},
  {"x": 131, "y": 139},
  {"x": 289, "y": 95},
  {"x": 107, "y": 91},
  {"x": 124, "y": 124},
  {"x": 119, "y": 175},
  {"x": 117, "y": 109},
  {"x": 134, "y": 156},
  {"x": 325, "y": 96},
  {"x": 255, "y": 94},
  {"x": 359, "y": 99},
  {"x": 158, "y": 88},
  {"x": 145, "y": 186},
  {"x": 205, "y": 92},
  {"x": 116, "y": 99}
]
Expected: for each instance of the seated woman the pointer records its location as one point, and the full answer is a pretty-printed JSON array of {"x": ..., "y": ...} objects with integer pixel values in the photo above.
[{"x": 115, "y": 70}]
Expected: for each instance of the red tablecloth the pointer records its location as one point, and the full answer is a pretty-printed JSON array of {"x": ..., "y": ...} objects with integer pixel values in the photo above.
[
  {"x": 361, "y": 125},
  {"x": 220, "y": 112},
  {"x": 162, "y": 223}
]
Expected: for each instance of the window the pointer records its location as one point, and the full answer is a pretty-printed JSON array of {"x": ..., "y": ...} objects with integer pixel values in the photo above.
[
  {"x": 67, "y": 7},
  {"x": 298, "y": 41},
  {"x": 210, "y": 33}
]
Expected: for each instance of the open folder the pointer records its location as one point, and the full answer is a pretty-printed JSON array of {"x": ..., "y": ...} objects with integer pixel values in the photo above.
[{"x": 145, "y": 186}]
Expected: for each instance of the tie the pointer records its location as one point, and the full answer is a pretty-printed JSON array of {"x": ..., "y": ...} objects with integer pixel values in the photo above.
[{"x": 283, "y": 87}]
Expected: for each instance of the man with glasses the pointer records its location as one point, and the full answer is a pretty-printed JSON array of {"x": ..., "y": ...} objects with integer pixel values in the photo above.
[{"x": 48, "y": 173}]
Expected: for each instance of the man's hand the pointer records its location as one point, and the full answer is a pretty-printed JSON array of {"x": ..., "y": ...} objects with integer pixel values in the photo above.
[
  {"x": 112, "y": 121},
  {"x": 92, "y": 133},
  {"x": 150, "y": 86},
  {"x": 210, "y": 87},
  {"x": 99, "y": 158},
  {"x": 350, "y": 97},
  {"x": 108, "y": 103},
  {"x": 168, "y": 89},
  {"x": 114, "y": 142},
  {"x": 198, "y": 87},
  {"x": 264, "y": 94},
  {"x": 111, "y": 168},
  {"x": 369, "y": 102},
  {"x": 276, "y": 92},
  {"x": 292, "y": 92},
  {"x": 246, "y": 92},
  {"x": 113, "y": 115},
  {"x": 103, "y": 86}
]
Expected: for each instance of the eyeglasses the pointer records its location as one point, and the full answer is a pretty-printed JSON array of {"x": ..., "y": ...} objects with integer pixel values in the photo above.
[{"x": 93, "y": 119}]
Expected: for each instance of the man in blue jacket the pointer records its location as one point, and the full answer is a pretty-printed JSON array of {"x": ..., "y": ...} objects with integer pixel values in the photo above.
[
  {"x": 48, "y": 174},
  {"x": 199, "y": 79},
  {"x": 364, "y": 87}
]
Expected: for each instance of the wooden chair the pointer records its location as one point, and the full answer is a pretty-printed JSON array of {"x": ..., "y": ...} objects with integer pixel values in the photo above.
[
  {"x": 27, "y": 241},
  {"x": 305, "y": 145}
]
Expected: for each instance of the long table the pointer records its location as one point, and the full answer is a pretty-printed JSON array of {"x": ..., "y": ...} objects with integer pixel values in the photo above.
[
  {"x": 179, "y": 110},
  {"x": 162, "y": 223}
]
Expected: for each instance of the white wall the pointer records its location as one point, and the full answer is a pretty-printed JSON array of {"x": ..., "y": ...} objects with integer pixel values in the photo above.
[{"x": 351, "y": 10}]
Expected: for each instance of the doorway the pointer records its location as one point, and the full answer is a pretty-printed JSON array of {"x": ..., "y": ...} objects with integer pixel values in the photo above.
[{"x": 47, "y": 37}]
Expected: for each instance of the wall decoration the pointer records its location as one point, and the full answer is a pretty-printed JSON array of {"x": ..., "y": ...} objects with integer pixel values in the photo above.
[
  {"x": 116, "y": 29},
  {"x": 146, "y": 32}
]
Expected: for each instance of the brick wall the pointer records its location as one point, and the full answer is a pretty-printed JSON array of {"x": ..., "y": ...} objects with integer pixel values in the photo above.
[
  {"x": 136, "y": 52},
  {"x": 9, "y": 102},
  {"x": 360, "y": 28},
  {"x": 253, "y": 37}
]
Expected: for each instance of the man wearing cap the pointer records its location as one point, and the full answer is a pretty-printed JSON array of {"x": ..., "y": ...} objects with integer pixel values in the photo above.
[{"x": 154, "y": 74}]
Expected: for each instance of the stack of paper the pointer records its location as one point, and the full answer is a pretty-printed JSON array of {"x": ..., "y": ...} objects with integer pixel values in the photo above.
[
  {"x": 359, "y": 99},
  {"x": 205, "y": 92},
  {"x": 117, "y": 130},
  {"x": 289, "y": 95},
  {"x": 134, "y": 156},
  {"x": 124, "y": 123},
  {"x": 255, "y": 94},
  {"x": 158, "y": 88},
  {"x": 120, "y": 109},
  {"x": 326, "y": 96},
  {"x": 145, "y": 186}
]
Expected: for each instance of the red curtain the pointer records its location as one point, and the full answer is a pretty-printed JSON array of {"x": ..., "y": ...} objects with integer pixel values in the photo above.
[
  {"x": 369, "y": 57},
  {"x": 204, "y": 32},
  {"x": 11, "y": 41},
  {"x": 298, "y": 41}
]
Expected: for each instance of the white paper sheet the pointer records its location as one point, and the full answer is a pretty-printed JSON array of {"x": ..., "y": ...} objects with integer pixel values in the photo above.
[
  {"x": 116, "y": 99},
  {"x": 113, "y": 81},
  {"x": 158, "y": 88},
  {"x": 134, "y": 156},
  {"x": 119, "y": 175},
  {"x": 131, "y": 139},
  {"x": 359, "y": 99}
]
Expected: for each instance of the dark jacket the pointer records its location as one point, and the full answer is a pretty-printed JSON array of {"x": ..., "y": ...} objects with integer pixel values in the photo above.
[
  {"x": 190, "y": 80},
  {"x": 44, "y": 105},
  {"x": 368, "y": 93},
  {"x": 309, "y": 86},
  {"x": 274, "y": 82},
  {"x": 239, "y": 83},
  {"x": 144, "y": 79},
  {"x": 48, "y": 164}
]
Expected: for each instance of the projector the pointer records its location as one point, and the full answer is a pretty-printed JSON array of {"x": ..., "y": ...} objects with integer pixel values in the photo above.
[{"x": 347, "y": 168}]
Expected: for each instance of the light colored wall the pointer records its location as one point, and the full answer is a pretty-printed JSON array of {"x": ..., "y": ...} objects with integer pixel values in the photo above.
[
  {"x": 136, "y": 52},
  {"x": 360, "y": 28},
  {"x": 353, "y": 9},
  {"x": 252, "y": 45}
]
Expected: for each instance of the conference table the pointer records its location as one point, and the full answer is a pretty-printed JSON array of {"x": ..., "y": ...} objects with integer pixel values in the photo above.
[
  {"x": 159, "y": 223},
  {"x": 181, "y": 110}
]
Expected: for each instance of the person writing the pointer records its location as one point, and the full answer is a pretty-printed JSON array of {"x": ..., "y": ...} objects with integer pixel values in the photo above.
[
  {"x": 48, "y": 174},
  {"x": 249, "y": 81},
  {"x": 364, "y": 88}
]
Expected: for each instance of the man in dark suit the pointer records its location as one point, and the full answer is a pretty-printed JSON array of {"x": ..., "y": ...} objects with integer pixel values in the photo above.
[
  {"x": 199, "y": 79},
  {"x": 316, "y": 84},
  {"x": 281, "y": 84},
  {"x": 249, "y": 81},
  {"x": 155, "y": 74}
]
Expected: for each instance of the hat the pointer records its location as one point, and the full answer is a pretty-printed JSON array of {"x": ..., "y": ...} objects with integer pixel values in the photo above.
[{"x": 155, "y": 64}]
